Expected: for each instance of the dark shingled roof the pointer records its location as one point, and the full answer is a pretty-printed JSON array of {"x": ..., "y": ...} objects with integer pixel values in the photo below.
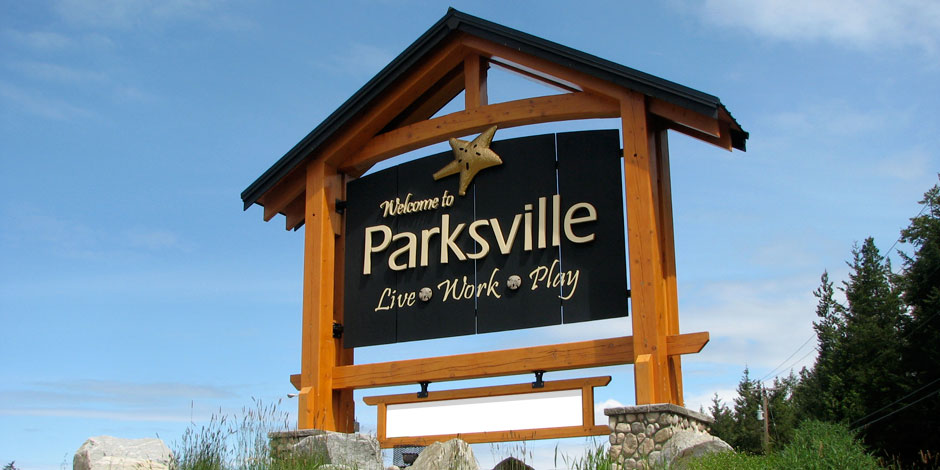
[{"x": 455, "y": 21}]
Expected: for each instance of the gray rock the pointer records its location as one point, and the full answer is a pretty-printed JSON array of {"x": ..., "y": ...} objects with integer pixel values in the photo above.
[
  {"x": 687, "y": 444},
  {"x": 662, "y": 435},
  {"x": 637, "y": 427},
  {"x": 454, "y": 454},
  {"x": 512, "y": 463},
  {"x": 629, "y": 444},
  {"x": 114, "y": 453},
  {"x": 359, "y": 451},
  {"x": 645, "y": 447}
]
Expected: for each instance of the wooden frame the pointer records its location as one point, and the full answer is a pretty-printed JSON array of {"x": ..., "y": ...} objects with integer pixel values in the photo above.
[
  {"x": 399, "y": 119},
  {"x": 587, "y": 427}
]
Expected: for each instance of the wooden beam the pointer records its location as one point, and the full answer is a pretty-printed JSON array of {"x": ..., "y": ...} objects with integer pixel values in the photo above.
[
  {"x": 583, "y": 80},
  {"x": 724, "y": 143},
  {"x": 643, "y": 380},
  {"x": 474, "y": 73},
  {"x": 594, "y": 353},
  {"x": 492, "y": 391},
  {"x": 429, "y": 103},
  {"x": 284, "y": 192},
  {"x": 499, "y": 436},
  {"x": 545, "y": 80},
  {"x": 578, "y": 355},
  {"x": 664, "y": 217},
  {"x": 294, "y": 214},
  {"x": 395, "y": 100},
  {"x": 319, "y": 349},
  {"x": 509, "y": 114},
  {"x": 689, "y": 343},
  {"x": 685, "y": 117},
  {"x": 645, "y": 253}
]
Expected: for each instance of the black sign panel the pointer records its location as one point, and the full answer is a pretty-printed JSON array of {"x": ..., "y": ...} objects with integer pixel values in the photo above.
[{"x": 535, "y": 241}]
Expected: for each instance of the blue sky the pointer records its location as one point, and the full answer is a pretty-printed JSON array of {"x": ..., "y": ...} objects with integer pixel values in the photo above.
[{"x": 136, "y": 296}]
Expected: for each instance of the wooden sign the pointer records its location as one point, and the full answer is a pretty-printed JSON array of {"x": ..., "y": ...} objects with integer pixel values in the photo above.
[
  {"x": 528, "y": 244},
  {"x": 347, "y": 220}
]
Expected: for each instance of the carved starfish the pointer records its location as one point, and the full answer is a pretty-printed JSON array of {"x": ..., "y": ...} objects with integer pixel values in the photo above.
[{"x": 470, "y": 158}]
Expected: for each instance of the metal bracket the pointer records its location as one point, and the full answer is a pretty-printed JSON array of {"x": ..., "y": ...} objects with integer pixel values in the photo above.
[
  {"x": 337, "y": 330},
  {"x": 538, "y": 379},
  {"x": 340, "y": 206},
  {"x": 424, "y": 390}
]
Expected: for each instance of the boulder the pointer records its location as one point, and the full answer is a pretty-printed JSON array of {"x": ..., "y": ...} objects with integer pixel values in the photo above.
[
  {"x": 115, "y": 453},
  {"x": 512, "y": 463},
  {"x": 688, "y": 444},
  {"x": 454, "y": 454},
  {"x": 359, "y": 451}
]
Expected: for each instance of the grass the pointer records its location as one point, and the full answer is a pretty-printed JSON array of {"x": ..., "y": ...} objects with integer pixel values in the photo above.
[
  {"x": 595, "y": 458},
  {"x": 232, "y": 442}
]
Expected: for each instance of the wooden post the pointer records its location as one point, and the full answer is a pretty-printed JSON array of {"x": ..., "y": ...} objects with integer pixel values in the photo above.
[
  {"x": 668, "y": 248},
  {"x": 648, "y": 293},
  {"x": 319, "y": 405},
  {"x": 474, "y": 70}
]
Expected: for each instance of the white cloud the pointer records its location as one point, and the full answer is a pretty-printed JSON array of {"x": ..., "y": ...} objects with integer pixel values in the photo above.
[
  {"x": 754, "y": 323},
  {"x": 862, "y": 24},
  {"x": 599, "y": 417}
]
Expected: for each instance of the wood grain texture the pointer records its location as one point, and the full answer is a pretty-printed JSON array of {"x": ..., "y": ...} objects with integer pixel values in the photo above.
[
  {"x": 566, "y": 356},
  {"x": 492, "y": 391},
  {"x": 648, "y": 297},
  {"x": 685, "y": 117},
  {"x": 461, "y": 123},
  {"x": 499, "y": 436},
  {"x": 474, "y": 71}
]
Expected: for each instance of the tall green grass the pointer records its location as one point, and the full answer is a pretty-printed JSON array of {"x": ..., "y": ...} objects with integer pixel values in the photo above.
[
  {"x": 595, "y": 458},
  {"x": 239, "y": 442}
]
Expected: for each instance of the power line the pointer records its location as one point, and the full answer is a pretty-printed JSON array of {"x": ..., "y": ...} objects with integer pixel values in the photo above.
[
  {"x": 893, "y": 403},
  {"x": 928, "y": 395},
  {"x": 788, "y": 358}
]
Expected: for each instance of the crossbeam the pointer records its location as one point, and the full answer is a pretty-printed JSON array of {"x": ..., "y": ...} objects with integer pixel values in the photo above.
[{"x": 566, "y": 356}]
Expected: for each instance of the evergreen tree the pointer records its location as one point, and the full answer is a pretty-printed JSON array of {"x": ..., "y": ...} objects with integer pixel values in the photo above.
[
  {"x": 919, "y": 413},
  {"x": 859, "y": 368}
]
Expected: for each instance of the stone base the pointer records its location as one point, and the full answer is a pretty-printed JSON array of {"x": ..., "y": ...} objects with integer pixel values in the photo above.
[
  {"x": 645, "y": 436},
  {"x": 359, "y": 451}
]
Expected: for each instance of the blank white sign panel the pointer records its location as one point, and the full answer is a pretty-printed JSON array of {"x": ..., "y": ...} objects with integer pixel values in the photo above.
[{"x": 502, "y": 413}]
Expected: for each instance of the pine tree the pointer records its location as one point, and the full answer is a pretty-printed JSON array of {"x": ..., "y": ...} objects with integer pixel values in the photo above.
[{"x": 920, "y": 283}]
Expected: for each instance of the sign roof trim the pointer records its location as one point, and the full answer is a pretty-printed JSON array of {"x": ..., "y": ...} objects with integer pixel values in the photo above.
[{"x": 458, "y": 22}]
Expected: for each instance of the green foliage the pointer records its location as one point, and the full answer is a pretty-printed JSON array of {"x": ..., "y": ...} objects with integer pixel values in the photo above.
[
  {"x": 740, "y": 427},
  {"x": 594, "y": 458},
  {"x": 11, "y": 466},
  {"x": 729, "y": 461},
  {"x": 920, "y": 284},
  {"x": 876, "y": 371},
  {"x": 815, "y": 446}
]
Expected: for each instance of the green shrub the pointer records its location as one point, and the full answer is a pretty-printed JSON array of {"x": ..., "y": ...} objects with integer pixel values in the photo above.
[
  {"x": 815, "y": 446},
  {"x": 818, "y": 445}
]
